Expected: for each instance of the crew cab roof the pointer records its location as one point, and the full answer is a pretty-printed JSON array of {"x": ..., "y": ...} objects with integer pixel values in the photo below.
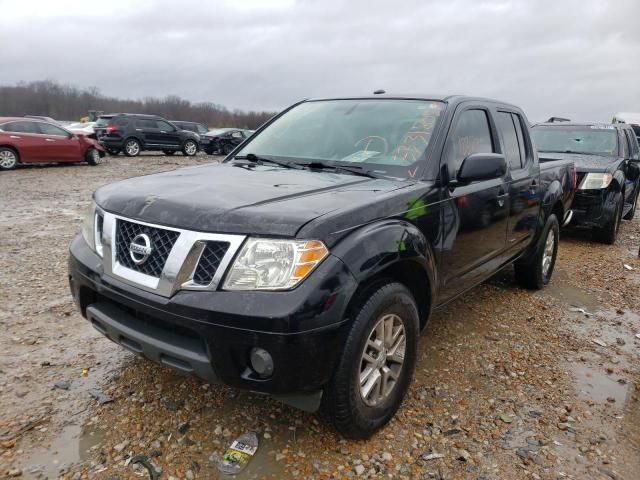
[{"x": 451, "y": 99}]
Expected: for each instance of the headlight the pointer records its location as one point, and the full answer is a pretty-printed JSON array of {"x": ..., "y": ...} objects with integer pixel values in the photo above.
[
  {"x": 92, "y": 228},
  {"x": 595, "y": 181},
  {"x": 271, "y": 264}
]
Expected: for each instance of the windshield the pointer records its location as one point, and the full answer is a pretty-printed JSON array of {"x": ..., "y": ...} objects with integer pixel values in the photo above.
[
  {"x": 594, "y": 140},
  {"x": 388, "y": 137}
]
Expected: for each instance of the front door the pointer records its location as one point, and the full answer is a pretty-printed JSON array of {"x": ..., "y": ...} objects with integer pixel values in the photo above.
[
  {"x": 477, "y": 211},
  {"x": 168, "y": 135},
  {"x": 60, "y": 145}
]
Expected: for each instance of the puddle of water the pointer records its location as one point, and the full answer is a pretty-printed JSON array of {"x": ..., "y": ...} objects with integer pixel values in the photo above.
[
  {"x": 594, "y": 384},
  {"x": 71, "y": 446},
  {"x": 562, "y": 290}
]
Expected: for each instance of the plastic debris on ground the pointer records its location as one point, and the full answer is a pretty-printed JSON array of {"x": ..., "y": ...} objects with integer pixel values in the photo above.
[{"x": 239, "y": 454}]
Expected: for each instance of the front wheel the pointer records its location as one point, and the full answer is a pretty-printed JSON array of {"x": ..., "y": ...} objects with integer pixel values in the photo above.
[
  {"x": 377, "y": 363},
  {"x": 609, "y": 233},
  {"x": 132, "y": 147},
  {"x": 93, "y": 157},
  {"x": 631, "y": 213},
  {"x": 190, "y": 148},
  {"x": 227, "y": 149},
  {"x": 535, "y": 273}
]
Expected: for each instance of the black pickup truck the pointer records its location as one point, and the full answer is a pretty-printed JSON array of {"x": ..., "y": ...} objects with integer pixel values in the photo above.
[
  {"x": 307, "y": 263},
  {"x": 607, "y": 159}
]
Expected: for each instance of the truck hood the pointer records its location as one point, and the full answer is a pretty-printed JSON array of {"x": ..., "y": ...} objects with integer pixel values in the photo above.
[
  {"x": 244, "y": 199},
  {"x": 584, "y": 163}
]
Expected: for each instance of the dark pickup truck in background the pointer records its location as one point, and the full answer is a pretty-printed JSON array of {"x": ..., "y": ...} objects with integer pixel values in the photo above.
[
  {"x": 607, "y": 159},
  {"x": 306, "y": 265}
]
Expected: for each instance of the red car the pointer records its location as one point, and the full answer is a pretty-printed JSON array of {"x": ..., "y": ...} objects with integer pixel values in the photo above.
[{"x": 29, "y": 140}]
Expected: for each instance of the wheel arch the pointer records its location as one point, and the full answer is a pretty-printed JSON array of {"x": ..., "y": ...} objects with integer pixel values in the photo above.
[
  {"x": 394, "y": 250},
  {"x": 13, "y": 148}
]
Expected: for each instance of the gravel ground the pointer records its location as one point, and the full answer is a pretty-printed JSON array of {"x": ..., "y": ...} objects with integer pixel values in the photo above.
[{"x": 510, "y": 384}]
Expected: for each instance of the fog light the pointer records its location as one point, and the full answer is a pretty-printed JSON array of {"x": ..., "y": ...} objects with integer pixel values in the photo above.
[{"x": 261, "y": 362}]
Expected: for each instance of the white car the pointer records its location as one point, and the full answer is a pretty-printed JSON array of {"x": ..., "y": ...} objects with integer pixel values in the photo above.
[
  {"x": 632, "y": 119},
  {"x": 85, "y": 128}
]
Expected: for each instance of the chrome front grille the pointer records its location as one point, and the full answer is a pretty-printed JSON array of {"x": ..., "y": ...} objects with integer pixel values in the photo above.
[
  {"x": 162, "y": 241},
  {"x": 178, "y": 259},
  {"x": 209, "y": 262}
]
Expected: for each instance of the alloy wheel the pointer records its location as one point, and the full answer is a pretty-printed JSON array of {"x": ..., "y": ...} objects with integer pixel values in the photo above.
[
  {"x": 382, "y": 359},
  {"x": 132, "y": 147},
  {"x": 8, "y": 159},
  {"x": 191, "y": 148},
  {"x": 547, "y": 255},
  {"x": 95, "y": 157}
]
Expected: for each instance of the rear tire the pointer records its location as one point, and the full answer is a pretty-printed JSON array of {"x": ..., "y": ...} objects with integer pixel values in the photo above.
[
  {"x": 9, "y": 158},
  {"x": 609, "y": 232},
  {"x": 380, "y": 351},
  {"x": 535, "y": 272},
  {"x": 93, "y": 157},
  {"x": 132, "y": 147},
  {"x": 169, "y": 152},
  {"x": 189, "y": 148}
]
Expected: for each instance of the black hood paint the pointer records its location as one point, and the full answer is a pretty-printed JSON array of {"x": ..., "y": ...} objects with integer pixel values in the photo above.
[
  {"x": 585, "y": 163},
  {"x": 228, "y": 198}
]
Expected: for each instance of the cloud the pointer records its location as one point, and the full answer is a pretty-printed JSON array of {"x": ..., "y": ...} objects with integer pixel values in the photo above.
[{"x": 575, "y": 58}]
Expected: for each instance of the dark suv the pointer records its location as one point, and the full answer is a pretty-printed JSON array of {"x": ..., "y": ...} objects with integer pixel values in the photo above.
[{"x": 133, "y": 133}]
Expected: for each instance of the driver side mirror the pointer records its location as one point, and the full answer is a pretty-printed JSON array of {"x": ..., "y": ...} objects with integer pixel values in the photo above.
[
  {"x": 633, "y": 170},
  {"x": 482, "y": 166}
]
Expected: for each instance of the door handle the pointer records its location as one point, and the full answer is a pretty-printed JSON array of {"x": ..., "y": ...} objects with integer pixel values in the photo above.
[
  {"x": 49, "y": 140},
  {"x": 162, "y": 131},
  {"x": 14, "y": 136}
]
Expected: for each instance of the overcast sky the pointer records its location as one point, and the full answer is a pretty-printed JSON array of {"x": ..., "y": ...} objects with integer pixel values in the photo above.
[{"x": 575, "y": 58}]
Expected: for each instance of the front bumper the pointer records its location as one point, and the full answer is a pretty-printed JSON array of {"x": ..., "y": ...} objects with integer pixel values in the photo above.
[
  {"x": 592, "y": 208},
  {"x": 210, "y": 333}
]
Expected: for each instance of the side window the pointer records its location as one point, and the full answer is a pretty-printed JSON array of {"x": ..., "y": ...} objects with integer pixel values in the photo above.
[
  {"x": 624, "y": 144},
  {"x": 471, "y": 134},
  {"x": 122, "y": 122},
  {"x": 49, "y": 129},
  {"x": 633, "y": 143},
  {"x": 162, "y": 125},
  {"x": 510, "y": 138},
  {"x": 202, "y": 129},
  {"x": 525, "y": 149},
  {"x": 236, "y": 135},
  {"x": 21, "y": 127}
]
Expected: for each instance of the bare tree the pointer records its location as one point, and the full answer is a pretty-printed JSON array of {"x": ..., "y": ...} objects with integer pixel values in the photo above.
[{"x": 66, "y": 102}]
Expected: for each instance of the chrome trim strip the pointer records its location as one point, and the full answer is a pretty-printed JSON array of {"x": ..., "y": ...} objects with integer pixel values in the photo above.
[{"x": 181, "y": 263}]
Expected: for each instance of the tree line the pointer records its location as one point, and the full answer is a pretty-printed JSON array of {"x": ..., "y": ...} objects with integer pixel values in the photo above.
[{"x": 66, "y": 102}]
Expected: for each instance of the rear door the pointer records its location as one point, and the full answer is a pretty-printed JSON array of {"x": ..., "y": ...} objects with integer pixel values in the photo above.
[
  {"x": 60, "y": 145},
  {"x": 478, "y": 211},
  {"x": 148, "y": 132},
  {"x": 26, "y": 137},
  {"x": 631, "y": 165},
  {"x": 523, "y": 180}
]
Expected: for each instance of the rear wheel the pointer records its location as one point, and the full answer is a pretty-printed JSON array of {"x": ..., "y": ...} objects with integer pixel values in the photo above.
[
  {"x": 93, "y": 157},
  {"x": 609, "y": 232},
  {"x": 169, "y": 152},
  {"x": 190, "y": 148},
  {"x": 132, "y": 147},
  {"x": 377, "y": 363},
  {"x": 535, "y": 272},
  {"x": 8, "y": 158}
]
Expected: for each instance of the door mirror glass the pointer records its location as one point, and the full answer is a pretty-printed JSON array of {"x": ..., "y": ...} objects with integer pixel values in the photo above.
[{"x": 482, "y": 166}]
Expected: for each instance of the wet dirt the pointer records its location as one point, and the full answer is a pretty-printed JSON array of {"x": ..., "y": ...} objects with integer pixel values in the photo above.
[{"x": 509, "y": 383}]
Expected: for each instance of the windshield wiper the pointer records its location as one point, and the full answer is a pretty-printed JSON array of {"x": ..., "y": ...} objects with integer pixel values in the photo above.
[
  {"x": 253, "y": 158},
  {"x": 355, "y": 170}
]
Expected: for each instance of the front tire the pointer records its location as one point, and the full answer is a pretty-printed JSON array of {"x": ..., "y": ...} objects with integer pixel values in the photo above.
[
  {"x": 631, "y": 213},
  {"x": 609, "y": 233},
  {"x": 93, "y": 157},
  {"x": 377, "y": 363},
  {"x": 536, "y": 272},
  {"x": 8, "y": 158},
  {"x": 227, "y": 149},
  {"x": 189, "y": 148},
  {"x": 132, "y": 147}
]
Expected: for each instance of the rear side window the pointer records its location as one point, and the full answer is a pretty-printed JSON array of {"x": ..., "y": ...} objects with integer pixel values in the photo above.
[
  {"x": 633, "y": 143},
  {"x": 164, "y": 126},
  {"x": 471, "y": 134},
  {"x": 141, "y": 123},
  {"x": 510, "y": 138},
  {"x": 20, "y": 127},
  {"x": 122, "y": 121},
  {"x": 49, "y": 129}
]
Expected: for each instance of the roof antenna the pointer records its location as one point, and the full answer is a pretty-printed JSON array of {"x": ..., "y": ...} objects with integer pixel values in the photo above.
[{"x": 379, "y": 92}]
